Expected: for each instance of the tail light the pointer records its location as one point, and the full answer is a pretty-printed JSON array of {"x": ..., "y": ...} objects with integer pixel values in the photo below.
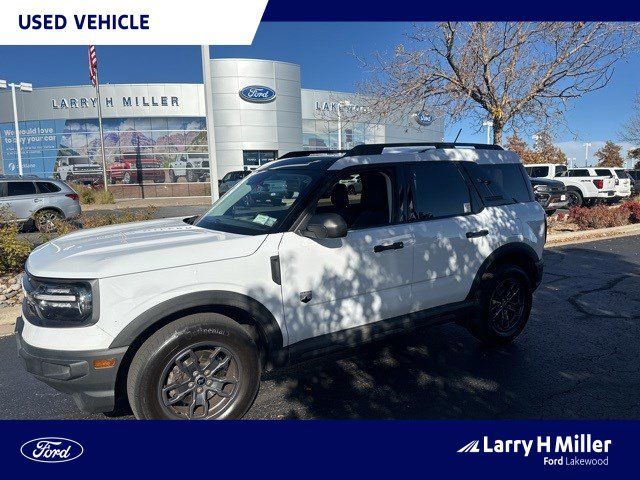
[
  {"x": 599, "y": 183},
  {"x": 72, "y": 196}
]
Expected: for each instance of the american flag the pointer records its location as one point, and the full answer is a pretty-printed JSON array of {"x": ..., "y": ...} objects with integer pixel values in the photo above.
[{"x": 93, "y": 65}]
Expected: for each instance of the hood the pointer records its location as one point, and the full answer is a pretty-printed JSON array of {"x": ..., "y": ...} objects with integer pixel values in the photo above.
[
  {"x": 136, "y": 247},
  {"x": 547, "y": 182}
]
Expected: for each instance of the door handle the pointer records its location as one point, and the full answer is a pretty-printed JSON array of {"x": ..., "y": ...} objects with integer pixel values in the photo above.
[
  {"x": 479, "y": 233},
  {"x": 37, "y": 200},
  {"x": 391, "y": 246}
]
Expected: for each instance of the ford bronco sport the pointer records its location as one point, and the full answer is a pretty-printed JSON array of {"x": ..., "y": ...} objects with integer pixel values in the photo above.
[{"x": 179, "y": 317}]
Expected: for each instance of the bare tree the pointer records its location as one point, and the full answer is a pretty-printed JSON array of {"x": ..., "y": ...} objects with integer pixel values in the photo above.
[
  {"x": 631, "y": 129},
  {"x": 517, "y": 74}
]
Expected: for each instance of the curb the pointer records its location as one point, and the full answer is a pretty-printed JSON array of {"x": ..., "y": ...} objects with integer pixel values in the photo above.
[{"x": 559, "y": 239}]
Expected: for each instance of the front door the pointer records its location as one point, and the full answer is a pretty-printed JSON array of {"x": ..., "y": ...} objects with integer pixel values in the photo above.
[
  {"x": 22, "y": 199},
  {"x": 332, "y": 286}
]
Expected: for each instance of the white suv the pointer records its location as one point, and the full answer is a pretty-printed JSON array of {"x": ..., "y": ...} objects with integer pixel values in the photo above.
[{"x": 179, "y": 317}]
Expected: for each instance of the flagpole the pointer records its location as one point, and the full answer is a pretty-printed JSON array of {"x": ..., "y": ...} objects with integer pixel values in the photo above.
[{"x": 104, "y": 160}]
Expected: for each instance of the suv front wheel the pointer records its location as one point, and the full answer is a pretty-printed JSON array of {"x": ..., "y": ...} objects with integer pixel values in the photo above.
[
  {"x": 505, "y": 305},
  {"x": 203, "y": 366}
]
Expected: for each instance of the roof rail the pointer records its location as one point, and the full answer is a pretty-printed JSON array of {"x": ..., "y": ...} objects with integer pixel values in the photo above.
[
  {"x": 378, "y": 148},
  {"x": 308, "y": 153}
]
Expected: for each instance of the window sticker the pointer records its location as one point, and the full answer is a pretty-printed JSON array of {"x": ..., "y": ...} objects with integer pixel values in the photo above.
[{"x": 265, "y": 220}]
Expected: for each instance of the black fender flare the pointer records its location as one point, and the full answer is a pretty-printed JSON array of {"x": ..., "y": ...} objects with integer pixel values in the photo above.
[
  {"x": 510, "y": 250},
  {"x": 211, "y": 298}
]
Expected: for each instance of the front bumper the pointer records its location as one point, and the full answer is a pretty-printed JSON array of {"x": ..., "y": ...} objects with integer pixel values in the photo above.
[
  {"x": 552, "y": 201},
  {"x": 73, "y": 372}
]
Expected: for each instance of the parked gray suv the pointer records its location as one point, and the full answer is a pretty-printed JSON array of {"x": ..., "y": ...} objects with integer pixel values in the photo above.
[{"x": 37, "y": 200}]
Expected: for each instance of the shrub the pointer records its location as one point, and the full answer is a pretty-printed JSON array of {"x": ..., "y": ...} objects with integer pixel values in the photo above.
[
  {"x": 633, "y": 207},
  {"x": 599, "y": 216},
  {"x": 93, "y": 195},
  {"x": 13, "y": 249}
]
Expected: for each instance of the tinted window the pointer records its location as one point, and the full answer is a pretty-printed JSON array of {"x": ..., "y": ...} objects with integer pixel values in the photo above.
[
  {"x": 603, "y": 172},
  {"x": 439, "y": 190},
  {"x": 579, "y": 173},
  {"x": 20, "y": 188},
  {"x": 500, "y": 184},
  {"x": 47, "y": 187},
  {"x": 560, "y": 170},
  {"x": 621, "y": 173},
  {"x": 537, "y": 172}
]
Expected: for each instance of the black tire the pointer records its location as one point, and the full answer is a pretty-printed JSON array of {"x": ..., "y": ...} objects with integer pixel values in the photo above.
[
  {"x": 44, "y": 220},
  {"x": 575, "y": 198},
  {"x": 551, "y": 212},
  {"x": 490, "y": 325},
  {"x": 173, "y": 178},
  {"x": 154, "y": 370},
  {"x": 351, "y": 190}
]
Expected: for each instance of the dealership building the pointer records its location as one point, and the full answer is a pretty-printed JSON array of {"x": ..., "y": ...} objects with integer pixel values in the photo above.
[{"x": 260, "y": 112}]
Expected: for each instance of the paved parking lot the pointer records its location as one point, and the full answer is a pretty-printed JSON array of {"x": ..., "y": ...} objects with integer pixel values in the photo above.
[{"x": 578, "y": 358}]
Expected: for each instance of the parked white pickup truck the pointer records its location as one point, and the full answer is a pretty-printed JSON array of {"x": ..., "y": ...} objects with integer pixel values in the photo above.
[
  {"x": 584, "y": 187},
  {"x": 621, "y": 177}
]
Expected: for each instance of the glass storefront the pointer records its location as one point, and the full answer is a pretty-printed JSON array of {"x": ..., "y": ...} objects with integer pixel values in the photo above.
[
  {"x": 173, "y": 147},
  {"x": 323, "y": 134}
]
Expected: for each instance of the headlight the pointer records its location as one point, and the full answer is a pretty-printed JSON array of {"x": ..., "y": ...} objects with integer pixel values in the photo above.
[
  {"x": 541, "y": 188},
  {"x": 59, "y": 303}
]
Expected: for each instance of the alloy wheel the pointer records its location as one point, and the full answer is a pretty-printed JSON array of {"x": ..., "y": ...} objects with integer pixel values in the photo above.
[
  {"x": 506, "y": 306},
  {"x": 45, "y": 221},
  {"x": 200, "y": 382}
]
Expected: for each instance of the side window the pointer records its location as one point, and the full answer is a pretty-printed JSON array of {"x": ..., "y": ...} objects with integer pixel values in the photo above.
[
  {"x": 603, "y": 172},
  {"x": 438, "y": 190},
  {"x": 3, "y": 189},
  {"x": 579, "y": 173},
  {"x": 537, "y": 172},
  {"x": 47, "y": 187},
  {"x": 363, "y": 200},
  {"x": 15, "y": 189},
  {"x": 500, "y": 184}
]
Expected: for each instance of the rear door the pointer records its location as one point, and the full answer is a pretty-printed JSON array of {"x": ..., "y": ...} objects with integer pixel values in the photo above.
[
  {"x": 22, "y": 199},
  {"x": 448, "y": 234}
]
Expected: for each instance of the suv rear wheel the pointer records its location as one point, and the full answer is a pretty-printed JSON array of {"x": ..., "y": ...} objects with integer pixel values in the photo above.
[
  {"x": 203, "y": 366},
  {"x": 45, "y": 220},
  {"x": 505, "y": 300}
]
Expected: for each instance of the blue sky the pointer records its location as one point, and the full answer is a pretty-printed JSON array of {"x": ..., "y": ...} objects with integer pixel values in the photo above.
[{"x": 324, "y": 52}]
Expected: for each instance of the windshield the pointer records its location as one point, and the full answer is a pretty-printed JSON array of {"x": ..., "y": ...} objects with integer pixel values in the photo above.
[{"x": 260, "y": 203}]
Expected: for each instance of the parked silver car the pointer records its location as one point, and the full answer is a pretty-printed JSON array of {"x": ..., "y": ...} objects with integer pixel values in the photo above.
[{"x": 38, "y": 200}]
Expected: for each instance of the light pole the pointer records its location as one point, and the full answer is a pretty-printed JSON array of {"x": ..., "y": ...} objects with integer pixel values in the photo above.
[
  {"x": 341, "y": 103},
  {"x": 489, "y": 125},
  {"x": 572, "y": 161},
  {"x": 586, "y": 152},
  {"x": 24, "y": 87}
]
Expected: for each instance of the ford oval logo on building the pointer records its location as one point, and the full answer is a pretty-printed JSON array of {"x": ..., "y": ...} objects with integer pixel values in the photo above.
[
  {"x": 51, "y": 450},
  {"x": 423, "y": 118},
  {"x": 258, "y": 94}
]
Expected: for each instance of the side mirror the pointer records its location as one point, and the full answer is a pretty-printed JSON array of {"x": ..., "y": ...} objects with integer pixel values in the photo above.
[{"x": 325, "y": 225}]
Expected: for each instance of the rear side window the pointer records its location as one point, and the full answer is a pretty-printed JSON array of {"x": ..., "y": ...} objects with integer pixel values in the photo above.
[
  {"x": 47, "y": 187},
  {"x": 438, "y": 190},
  {"x": 603, "y": 172},
  {"x": 500, "y": 184},
  {"x": 561, "y": 170},
  {"x": 621, "y": 173},
  {"x": 537, "y": 172},
  {"x": 579, "y": 173},
  {"x": 15, "y": 189}
]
